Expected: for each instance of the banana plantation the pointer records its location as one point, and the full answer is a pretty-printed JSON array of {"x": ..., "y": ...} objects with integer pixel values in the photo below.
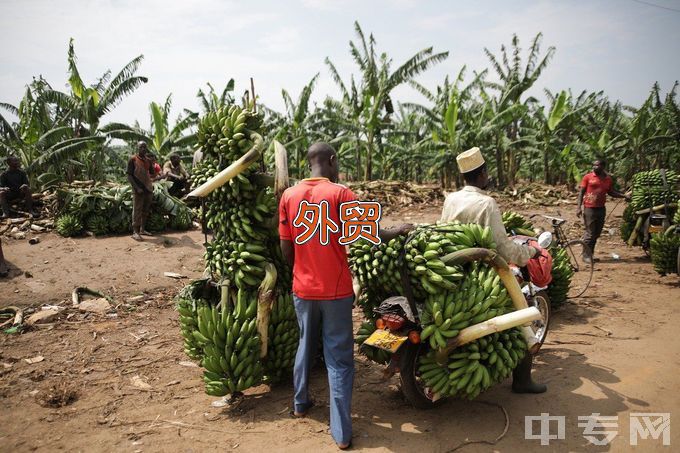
[{"x": 526, "y": 130}]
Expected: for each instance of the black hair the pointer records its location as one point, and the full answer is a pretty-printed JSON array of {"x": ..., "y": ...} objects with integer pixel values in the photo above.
[
  {"x": 602, "y": 160},
  {"x": 471, "y": 176}
]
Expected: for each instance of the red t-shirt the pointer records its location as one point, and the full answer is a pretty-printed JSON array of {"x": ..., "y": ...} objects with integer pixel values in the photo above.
[
  {"x": 320, "y": 272},
  {"x": 597, "y": 188}
]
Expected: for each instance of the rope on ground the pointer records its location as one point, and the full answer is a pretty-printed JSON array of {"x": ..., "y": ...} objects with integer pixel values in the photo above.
[{"x": 487, "y": 442}]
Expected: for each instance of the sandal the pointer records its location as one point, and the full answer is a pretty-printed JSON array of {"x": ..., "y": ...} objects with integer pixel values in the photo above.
[{"x": 294, "y": 414}]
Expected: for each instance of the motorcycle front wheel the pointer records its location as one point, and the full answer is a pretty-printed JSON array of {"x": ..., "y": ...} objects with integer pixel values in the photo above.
[
  {"x": 541, "y": 326},
  {"x": 412, "y": 386}
]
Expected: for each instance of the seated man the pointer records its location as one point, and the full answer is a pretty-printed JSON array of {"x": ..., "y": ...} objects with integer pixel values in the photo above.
[
  {"x": 175, "y": 172},
  {"x": 472, "y": 205},
  {"x": 14, "y": 185}
]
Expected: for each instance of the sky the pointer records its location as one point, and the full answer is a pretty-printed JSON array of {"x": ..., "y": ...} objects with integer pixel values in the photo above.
[{"x": 619, "y": 46}]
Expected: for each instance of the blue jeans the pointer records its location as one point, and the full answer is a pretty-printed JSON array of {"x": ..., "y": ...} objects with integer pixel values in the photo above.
[{"x": 334, "y": 319}]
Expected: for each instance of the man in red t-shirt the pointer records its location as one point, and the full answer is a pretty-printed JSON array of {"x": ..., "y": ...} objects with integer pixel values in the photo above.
[
  {"x": 595, "y": 187},
  {"x": 322, "y": 284}
]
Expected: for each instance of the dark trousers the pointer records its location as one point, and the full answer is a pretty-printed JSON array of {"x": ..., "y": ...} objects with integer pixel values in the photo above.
[
  {"x": 141, "y": 206},
  {"x": 594, "y": 222},
  {"x": 16, "y": 194}
]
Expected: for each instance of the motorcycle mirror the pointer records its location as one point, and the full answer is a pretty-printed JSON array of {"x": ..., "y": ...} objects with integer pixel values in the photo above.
[{"x": 545, "y": 239}]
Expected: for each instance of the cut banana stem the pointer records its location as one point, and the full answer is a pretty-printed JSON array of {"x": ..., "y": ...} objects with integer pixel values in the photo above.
[
  {"x": 281, "y": 181},
  {"x": 232, "y": 170},
  {"x": 493, "y": 325},
  {"x": 656, "y": 208},
  {"x": 636, "y": 229},
  {"x": 224, "y": 293},
  {"x": 265, "y": 300}
]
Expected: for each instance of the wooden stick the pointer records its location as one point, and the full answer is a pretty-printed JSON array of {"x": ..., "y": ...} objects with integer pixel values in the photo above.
[{"x": 252, "y": 91}]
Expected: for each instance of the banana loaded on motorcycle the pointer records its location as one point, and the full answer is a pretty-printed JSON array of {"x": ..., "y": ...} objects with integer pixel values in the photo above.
[
  {"x": 462, "y": 319},
  {"x": 444, "y": 307}
]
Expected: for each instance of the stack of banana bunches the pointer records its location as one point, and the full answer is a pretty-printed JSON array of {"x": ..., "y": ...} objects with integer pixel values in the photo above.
[
  {"x": 562, "y": 271},
  {"x": 649, "y": 190},
  {"x": 226, "y": 321},
  {"x": 449, "y": 299}
]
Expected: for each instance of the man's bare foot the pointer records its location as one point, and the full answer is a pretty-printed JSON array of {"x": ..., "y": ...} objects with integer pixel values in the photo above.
[
  {"x": 136, "y": 237},
  {"x": 343, "y": 446},
  {"x": 145, "y": 233}
]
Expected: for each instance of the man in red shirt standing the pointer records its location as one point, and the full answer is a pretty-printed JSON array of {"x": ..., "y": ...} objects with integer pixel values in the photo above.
[
  {"x": 595, "y": 187},
  {"x": 309, "y": 230}
]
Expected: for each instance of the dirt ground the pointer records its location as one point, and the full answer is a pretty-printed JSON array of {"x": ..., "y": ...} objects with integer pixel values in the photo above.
[{"x": 127, "y": 386}]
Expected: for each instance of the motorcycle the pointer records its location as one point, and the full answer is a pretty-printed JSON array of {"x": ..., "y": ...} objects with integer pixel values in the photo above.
[{"x": 398, "y": 327}]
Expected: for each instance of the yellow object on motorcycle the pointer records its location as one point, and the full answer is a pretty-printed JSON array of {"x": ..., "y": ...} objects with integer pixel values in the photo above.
[{"x": 386, "y": 340}]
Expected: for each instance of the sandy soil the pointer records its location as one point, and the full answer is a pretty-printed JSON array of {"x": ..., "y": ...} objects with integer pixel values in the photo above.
[{"x": 613, "y": 352}]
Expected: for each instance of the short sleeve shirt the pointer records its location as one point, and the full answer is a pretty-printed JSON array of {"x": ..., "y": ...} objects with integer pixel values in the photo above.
[
  {"x": 320, "y": 272},
  {"x": 597, "y": 188}
]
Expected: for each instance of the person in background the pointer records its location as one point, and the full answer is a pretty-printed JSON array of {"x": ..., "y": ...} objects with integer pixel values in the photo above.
[
  {"x": 14, "y": 185},
  {"x": 198, "y": 156},
  {"x": 595, "y": 187},
  {"x": 472, "y": 205},
  {"x": 174, "y": 171},
  {"x": 139, "y": 175},
  {"x": 155, "y": 170},
  {"x": 4, "y": 269},
  {"x": 322, "y": 289}
]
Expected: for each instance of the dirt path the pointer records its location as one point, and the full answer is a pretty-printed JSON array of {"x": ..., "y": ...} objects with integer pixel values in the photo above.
[{"x": 612, "y": 352}]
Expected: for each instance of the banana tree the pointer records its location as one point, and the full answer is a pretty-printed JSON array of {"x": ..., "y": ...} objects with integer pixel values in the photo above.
[
  {"x": 295, "y": 128},
  {"x": 41, "y": 138},
  {"x": 451, "y": 123},
  {"x": 515, "y": 79},
  {"x": 86, "y": 105},
  {"x": 211, "y": 101},
  {"x": 650, "y": 131},
  {"x": 372, "y": 103},
  {"x": 161, "y": 138}
]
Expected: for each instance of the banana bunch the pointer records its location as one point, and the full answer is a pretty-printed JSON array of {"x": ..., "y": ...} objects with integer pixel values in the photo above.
[
  {"x": 627, "y": 223},
  {"x": 231, "y": 345},
  {"x": 517, "y": 223},
  {"x": 97, "y": 223},
  {"x": 203, "y": 171},
  {"x": 244, "y": 261},
  {"x": 474, "y": 367},
  {"x": 156, "y": 221},
  {"x": 182, "y": 220},
  {"x": 649, "y": 188},
  {"x": 480, "y": 297},
  {"x": 187, "y": 303},
  {"x": 664, "y": 250},
  {"x": 68, "y": 225},
  {"x": 378, "y": 268},
  {"x": 562, "y": 273},
  {"x": 284, "y": 334},
  {"x": 374, "y": 354},
  {"x": 250, "y": 221},
  {"x": 226, "y": 132}
]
